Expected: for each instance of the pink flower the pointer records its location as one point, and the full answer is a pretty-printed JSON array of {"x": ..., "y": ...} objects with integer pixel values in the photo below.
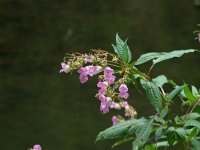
[
  {"x": 126, "y": 105},
  {"x": 115, "y": 105},
  {"x": 124, "y": 95},
  {"x": 199, "y": 37},
  {"x": 83, "y": 78},
  {"x": 123, "y": 88},
  {"x": 109, "y": 78},
  {"x": 104, "y": 108},
  {"x": 37, "y": 147},
  {"x": 102, "y": 91},
  {"x": 92, "y": 71},
  {"x": 102, "y": 85},
  {"x": 114, "y": 120},
  {"x": 65, "y": 68},
  {"x": 108, "y": 71},
  {"x": 102, "y": 98},
  {"x": 83, "y": 70}
]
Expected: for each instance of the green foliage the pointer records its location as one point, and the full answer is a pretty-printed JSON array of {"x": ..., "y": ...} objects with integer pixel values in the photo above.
[
  {"x": 122, "y": 129},
  {"x": 153, "y": 94},
  {"x": 165, "y": 128},
  {"x": 143, "y": 133},
  {"x": 122, "y": 49},
  {"x": 159, "y": 57},
  {"x": 175, "y": 92}
]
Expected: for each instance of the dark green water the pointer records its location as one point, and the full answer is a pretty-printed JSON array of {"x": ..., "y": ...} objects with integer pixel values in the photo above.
[{"x": 39, "y": 105}]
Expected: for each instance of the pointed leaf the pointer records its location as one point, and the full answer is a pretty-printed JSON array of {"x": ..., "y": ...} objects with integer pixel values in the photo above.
[
  {"x": 175, "y": 92},
  {"x": 120, "y": 129},
  {"x": 159, "y": 57},
  {"x": 160, "y": 80},
  {"x": 153, "y": 94}
]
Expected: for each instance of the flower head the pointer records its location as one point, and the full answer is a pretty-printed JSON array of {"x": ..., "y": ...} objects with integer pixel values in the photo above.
[
  {"x": 114, "y": 120},
  {"x": 108, "y": 71},
  {"x": 37, "y": 147},
  {"x": 65, "y": 67},
  {"x": 123, "y": 88}
]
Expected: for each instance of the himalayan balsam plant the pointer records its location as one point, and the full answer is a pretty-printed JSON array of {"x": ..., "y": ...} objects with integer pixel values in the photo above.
[{"x": 116, "y": 73}]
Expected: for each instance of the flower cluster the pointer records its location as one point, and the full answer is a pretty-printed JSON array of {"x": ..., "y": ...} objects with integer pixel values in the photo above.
[{"x": 112, "y": 94}]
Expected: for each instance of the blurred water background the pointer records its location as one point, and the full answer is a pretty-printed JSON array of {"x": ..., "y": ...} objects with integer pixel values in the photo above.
[{"x": 39, "y": 105}]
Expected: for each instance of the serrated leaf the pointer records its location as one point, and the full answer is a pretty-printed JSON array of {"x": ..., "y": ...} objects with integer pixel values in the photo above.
[
  {"x": 164, "y": 111},
  {"x": 175, "y": 92},
  {"x": 160, "y": 80},
  {"x": 147, "y": 57},
  {"x": 171, "y": 135},
  {"x": 173, "y": 54},
  {"x": 119, "y": 130},
  {"x": 159, "y": 57},
  {"x": 158, "y": 133},
  {"x": 189, "y": 94},
  {"x": 118, "y": 143},
  {"x": 122, "y": 49},
  {"x": 153, "y": 94},
  {"x": 143, "y": 133},
  {"x": 193, "y": 123}
]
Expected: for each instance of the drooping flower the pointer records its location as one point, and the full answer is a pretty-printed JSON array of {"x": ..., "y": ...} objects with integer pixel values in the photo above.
[
  {"x": 114, "y": 120},
  {"x": 123, "y": 89},
  {"x": 115, "y": 105},
  {"x": 102, "y": 98},
  {"x": 108, "y": 71},
  {"x": 102, "y": 85},
  {"x": 65, "y": 67},
  {"x": 83, "y": 78},
  {"x": 126, "y": 105},
  {"x": 109, "y": 78},
  {"x": 108, "y": 75},
  {"x": 92, "y": 71},
  {"x": 37, "y": 147},
  {"x": 83, "y": 70},
  {"x": 124, "y": 95},
  {"x": 104, "y": 108}
]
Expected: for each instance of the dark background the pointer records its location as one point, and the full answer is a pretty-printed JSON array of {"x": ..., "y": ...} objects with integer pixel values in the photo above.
[{"x": 39, "y": 105}]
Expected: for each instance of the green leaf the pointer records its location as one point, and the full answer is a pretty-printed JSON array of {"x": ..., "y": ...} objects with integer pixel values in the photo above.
[
  {"x": 193, "y": 123},
  {"x": 160, "y": 80},
  {"x": 159, "y": 57},
  {"x": 118, "y": 143},
  {"x": 194, "y": 91},
  {"x": 158, "y": 133},
  {"x": 195, "y": 144},
  {"x": 164, "y": 112},
  {"x": 122, "y": 49},
  {"x": 147, "y": 57},
  {"x": 193, "y": 115},
  {"x": 173, "y": 54},
  {"x": 143, "y": 133},
  {"x": 153, "y": 94},
  {"x": 119, "y": 130},
  {"x": 192, "y": 134},
  {"x": 171, "y": 135},
  {"x": 181, "y": 133},
  {"x": 189, "y": 94},
  {"x": 175, "y": 92},
  {"x": 150, "y": 147}
]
